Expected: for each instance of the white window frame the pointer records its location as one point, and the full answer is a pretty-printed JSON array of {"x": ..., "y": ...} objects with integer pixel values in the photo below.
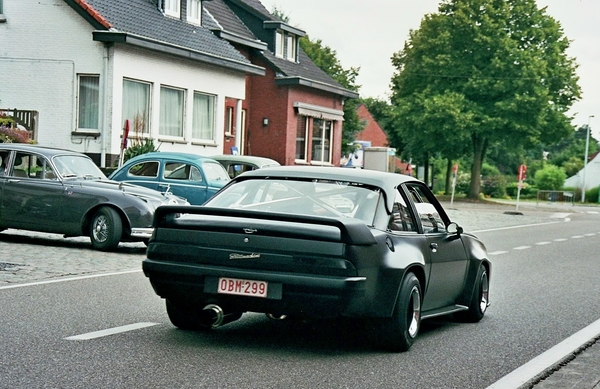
[
  {"x": 302, "y": 141},
  {"x": 198, "y": 129},
  {"x": 290, "y": 47},
  {"x": 145, "y": 113},
  {"x": 326, "y": 142},
  {"x": 172, "y": 8},
  {"x": 168, "y": 117},
  {"x": 88, "y": 103},
  {"x": 194, "y": 11},
  {"x": 229, "y": 121},
  {"x": 279, "y": 43}
]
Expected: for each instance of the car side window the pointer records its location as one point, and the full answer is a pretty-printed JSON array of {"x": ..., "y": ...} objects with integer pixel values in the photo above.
[
  {"x": 428, "y": 214},
  {"x": 21, "y": 165},
  {"x": 177, "y": 171},
  {"x": 144, "y": 169},
  {"x": 401, "y": 218},
  {"x": 43, "y": 169},
  {"x": 3, "y": 161}
]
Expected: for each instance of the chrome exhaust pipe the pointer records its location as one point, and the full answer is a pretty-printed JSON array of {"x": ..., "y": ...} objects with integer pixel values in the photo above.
[
  {"x": 273, "y": 316},
  {"x": 213, "y": 316}
]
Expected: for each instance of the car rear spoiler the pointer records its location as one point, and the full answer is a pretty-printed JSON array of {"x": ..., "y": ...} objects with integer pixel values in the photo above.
[{"x": 353, "y": 231}]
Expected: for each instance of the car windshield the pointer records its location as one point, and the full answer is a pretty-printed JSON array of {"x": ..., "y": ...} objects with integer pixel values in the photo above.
[
  {"x": 215, "y": 174},
  {"x": 75, "y": 166},
  {"x": 314, "y": 198}
]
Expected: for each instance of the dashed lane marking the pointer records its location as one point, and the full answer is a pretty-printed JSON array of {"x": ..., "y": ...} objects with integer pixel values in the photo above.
[
  {"x": 542, "y": 243},
  {"x": 110, "y": 331},
  {"x": 522, "y": 248},
  {"x": 561, "y": 239},
  {"x": 498, "y": 252},
  {"x": 577, "y": 237}
]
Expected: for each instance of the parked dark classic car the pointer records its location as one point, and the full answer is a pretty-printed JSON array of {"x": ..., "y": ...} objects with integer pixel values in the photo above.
[
  {"x": 60, "y": 191},
  {"x": 318, "y": 242},
  {"x": 236, "y": 164},
  {"x": 193, "y": 177}
]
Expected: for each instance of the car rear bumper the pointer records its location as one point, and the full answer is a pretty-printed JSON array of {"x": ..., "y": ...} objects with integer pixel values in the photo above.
[
  {"x": 300, "y": 294},
  {"x": 142, "y": 233}
]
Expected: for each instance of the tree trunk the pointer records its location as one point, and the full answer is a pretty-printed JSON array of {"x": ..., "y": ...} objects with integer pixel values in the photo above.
[
  {"x": 448, "y": 177},
  {"x": 479, "y": 150}
]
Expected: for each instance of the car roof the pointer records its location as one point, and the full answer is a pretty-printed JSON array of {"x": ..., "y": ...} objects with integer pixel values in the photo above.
[
  {"x": 34, "y": 148},
  {"x": 252, "y": 159},
  {"x": 388, "y": 182},
  {"x": 173, "y": 155}
]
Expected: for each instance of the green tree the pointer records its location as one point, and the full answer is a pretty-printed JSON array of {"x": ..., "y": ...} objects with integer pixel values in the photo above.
[
  {"x": 551, "y": 177},
  {"x": 488, "y": 73}
]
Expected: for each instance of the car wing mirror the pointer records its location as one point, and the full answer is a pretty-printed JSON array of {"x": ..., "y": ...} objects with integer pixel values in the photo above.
[{"x": 454, "y": 228}]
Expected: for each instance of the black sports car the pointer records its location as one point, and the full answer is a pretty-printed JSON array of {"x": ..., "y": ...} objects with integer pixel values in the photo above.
[
  {"x": 61, "y": 191},
  {"x": 318, "y": 242}
]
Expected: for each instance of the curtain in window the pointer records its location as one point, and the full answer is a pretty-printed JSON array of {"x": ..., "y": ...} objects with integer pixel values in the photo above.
[
  {"x": 171, "y": 112},
  {"x": 136, "y": 103},
  {"x": 203, "y": 117},
  {"x": 89, "y": 102},
  {"x": 301, "y": 138},
  {"x": 321, "y": 140},
  {"x": 194, "y": 10}
]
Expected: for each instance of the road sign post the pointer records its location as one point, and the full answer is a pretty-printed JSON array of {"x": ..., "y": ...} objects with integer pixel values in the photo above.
[
  {"x": 454, "y": 174},
  {"x": 520, "y": 177}
]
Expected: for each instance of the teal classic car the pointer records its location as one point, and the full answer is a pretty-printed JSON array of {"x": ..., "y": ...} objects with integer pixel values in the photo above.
[{"x": 193, "y": 177}]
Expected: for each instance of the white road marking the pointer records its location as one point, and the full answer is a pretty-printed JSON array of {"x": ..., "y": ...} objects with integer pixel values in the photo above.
[
  {"x": 521, "y": 248},
  {"x": 591, "y": 234},
  {"x": 69, "y": 279},
  {"x": 110, "y": 331},
  {"x": 553, "y": 357},
  {"x": 577, "y": 237},
  {"x": 513, "y": 227},
  {"x": 498, "y": 252},
  {"x": 543, "y": 243},
  {"x": 561, "y": 240}
]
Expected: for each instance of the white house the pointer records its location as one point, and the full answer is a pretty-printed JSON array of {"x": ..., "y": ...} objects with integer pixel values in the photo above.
[
  {"x": 86, "y": 66},
  {"x": 592, "y": 175}
]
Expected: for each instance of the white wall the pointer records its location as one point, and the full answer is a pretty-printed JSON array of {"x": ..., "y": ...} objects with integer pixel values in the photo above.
[
  {"x": 44, "y": 44},
  {"x": 175, "y": 72}
]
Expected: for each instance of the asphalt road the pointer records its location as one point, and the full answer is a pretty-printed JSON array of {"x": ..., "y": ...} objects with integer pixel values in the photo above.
[{"x": 544, "y": 278}]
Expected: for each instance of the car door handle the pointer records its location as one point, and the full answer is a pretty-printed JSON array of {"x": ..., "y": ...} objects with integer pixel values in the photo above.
[
  {"x": 433, "y": 247},
  {"x": 12, "y": 180}
]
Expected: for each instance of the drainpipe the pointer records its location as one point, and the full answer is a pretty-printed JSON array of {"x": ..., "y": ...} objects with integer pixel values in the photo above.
[
  {"x": 238, "y": 126},
  {"x": 104, "y": 109}
]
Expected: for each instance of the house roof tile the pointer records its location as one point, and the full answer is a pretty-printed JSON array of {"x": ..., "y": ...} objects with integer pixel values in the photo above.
[{"x": 142, "y": 18}]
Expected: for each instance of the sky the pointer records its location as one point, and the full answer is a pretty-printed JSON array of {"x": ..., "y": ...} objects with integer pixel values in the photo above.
[{"x": 366, "y": 34}]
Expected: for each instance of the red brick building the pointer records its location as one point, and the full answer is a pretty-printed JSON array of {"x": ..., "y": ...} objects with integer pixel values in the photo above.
[{"x": 293, "y": 114}]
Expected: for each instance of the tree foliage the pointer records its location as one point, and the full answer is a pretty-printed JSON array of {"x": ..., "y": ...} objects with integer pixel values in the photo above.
[
  {"x": 483, "y": 74},
  {"x": 551, "y": 177}
]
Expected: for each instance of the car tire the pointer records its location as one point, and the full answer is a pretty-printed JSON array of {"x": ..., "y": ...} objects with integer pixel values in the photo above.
[
  {"x": 400, "y": 331},
  {"x": 480, "y": 298},
  {"x": 106, "y": 229},
  {"x": 183, "y": 317}
]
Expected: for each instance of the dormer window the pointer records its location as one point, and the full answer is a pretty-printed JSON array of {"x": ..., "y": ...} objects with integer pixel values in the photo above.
[
  {"x": 285, "y": 45},
  {"x": 194, "y": 11},
  {"x": 172, "y": 8},
  {"x": 285, "y": 39}
]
